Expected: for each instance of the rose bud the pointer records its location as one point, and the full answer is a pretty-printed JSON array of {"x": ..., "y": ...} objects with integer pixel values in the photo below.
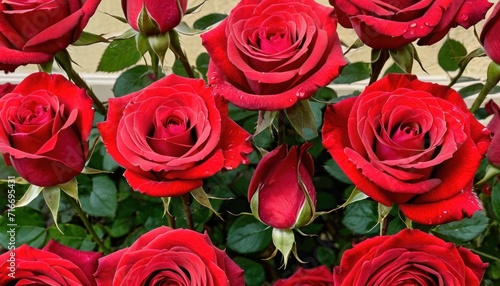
[
  {"x": 493, "y": 153},
  {"x": 489, "y": 35},
  {"x": 281, "y": 191},
  {"x": 45, "y": 123},
  {"x": 152, "y": 17}
]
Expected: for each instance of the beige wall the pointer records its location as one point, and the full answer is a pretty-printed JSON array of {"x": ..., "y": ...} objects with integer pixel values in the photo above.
[{"x": 88, "y": 57}]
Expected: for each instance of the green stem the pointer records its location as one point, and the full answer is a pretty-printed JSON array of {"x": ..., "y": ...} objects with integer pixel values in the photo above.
[
  {"x": 171, "y": 220},
  {"x": 281, "y": 126},
  {"x": 175, "y": 46},
  {"x": 456, "y": 78},
  {"x": 379, "y": 58},
  {"x": 485, "y": 255},
  {"x": 64, "y": 60},
  {"x": 87, "y": 223},
  {"x": 187, "y": 210},
  {"x": 492, "y": 79},
  {"x": 154, "y": 64}
]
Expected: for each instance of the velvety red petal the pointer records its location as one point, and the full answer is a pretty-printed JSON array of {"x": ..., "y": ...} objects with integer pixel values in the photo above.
[{"x": 148, "y": 185}]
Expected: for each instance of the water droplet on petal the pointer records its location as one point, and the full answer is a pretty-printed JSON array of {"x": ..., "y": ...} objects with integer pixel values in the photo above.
[
  {"x": 412, "y": 32},
  {"x": 413, "y": 25},
  {"x": 427, "y": 24},
  {"x": 445, "y": 212}
]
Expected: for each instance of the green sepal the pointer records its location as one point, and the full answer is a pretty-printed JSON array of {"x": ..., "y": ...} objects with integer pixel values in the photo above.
[
  {"x": 284, "y": 241},
  {"x": 17, "y": 180},
  {"x": 146, "y": 24},
  {"x": 166, "y": 206},
  {"x": 265, "y": 121},
  {"x": 491, "y": 172},
  {"x": 355, "y": 196},
  {"x": 142, "y": 43},
  {"x": 52, "y": 196},
  {"x": 159, "y": 44},
  {"x": 184, "y": 29},
  {"x": 383, "y": 212},
  {"x": 46, "y": 67},
  {"x": 403, "y": 57},
  {"x": 31, "y": 194},
  {"x": 194, "y": 8},
  {"x": 203, "y": 199},
  {"x": 254, "y": 205},
  {"x": 71, "y": 189},
  {"x": 92, "y": 171},
  {"x": 301, "y": 117}
]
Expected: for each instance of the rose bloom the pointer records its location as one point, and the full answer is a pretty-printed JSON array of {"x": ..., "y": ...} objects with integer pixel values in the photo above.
[
  {"x": 410, "y": 257},
  {"x": 268, "y": 54},
  {"x": 6, "y": 88},
  {"x": 166, "y": 256},
  {"x": 276, "y": 194},
  {"x": 164, "y": 15},
  {"x": 45, "y": 123},
  {"x": 171, "y": 135},
  {"x": 55, "y": 264},
  {"x": 489, "y": 35},
  {"x": 493, "y": 154},
  {"x": 412, "y": 143},
  {"x": 31, "y": 32},
  {"x": 319, "y": 276},
  {"x": 393, "y": 24}
]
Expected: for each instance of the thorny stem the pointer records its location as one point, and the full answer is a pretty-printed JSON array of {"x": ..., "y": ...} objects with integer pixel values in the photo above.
[
  {"x": 64, "y": 60},
  {"x": 87, "y": 223},
  {"x": 187, "y": 210}
]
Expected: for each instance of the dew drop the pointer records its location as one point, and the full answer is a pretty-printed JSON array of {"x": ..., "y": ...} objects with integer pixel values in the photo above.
[
  {"x": 229, "y": 168},
  {"x": 241, "y": 96},
  {"x": 445, "y": 212},
  {"x": 413, "y": 25},
  {"x": 429, "y": 221},
  {"x": 412, "y": 32},
  {"x": 427, "y": 24}
]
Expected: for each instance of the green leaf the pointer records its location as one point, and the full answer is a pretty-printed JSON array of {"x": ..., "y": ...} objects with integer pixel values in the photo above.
[
  {"x": 325, "y": 94},
  {"x": 463, "y": 230},
  {"x": 361, "y": 217},
  {"x": 326, "y": 256},
  {"x": 87, "y": 38},
  {"x": 335, "y": 171},
  {"x": 495, "y": 200},
  {"x": 74, "y": 236},
  {"x": 450, "y": 54},
  {"x": 254, "y": 272},
  {"x": 265, "y": 120},
  {"x": 29, "y": 225},
  {"x": 248, "y": 235},
  {"x": 207, "y": 21},
  {"x": 119, "y": 55},
  {"x": 132, "y": 80},
  {"x": 202, "y": 64},
  {"x": 301, "y": 116},
  {"x": 102, "y": 201},
  {"x": 353, "y": 72}
]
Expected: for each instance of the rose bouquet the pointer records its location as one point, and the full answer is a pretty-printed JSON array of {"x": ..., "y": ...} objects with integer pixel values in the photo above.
[{"x": 302, "y": 143}]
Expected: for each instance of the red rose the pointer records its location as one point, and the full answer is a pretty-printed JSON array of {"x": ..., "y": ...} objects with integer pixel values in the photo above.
[
  {"x": 162, "y": 15},
  {"x": 166, "y": 256},
  {"x": 171, "y": 135},
  {"x": 489, "y": 35},
  {"x": 393, "y": 24},
  {"x": 493, "y": 154},
  {"x": 31, "y": 32},
  {"x": 319, "y": 276},
  {"x": 411, "y": 257},
  {"x": 6, "y": 88},
  {"x": 412, "y": 143},
  {"x": 278, "y": 187},
  {"x": 268, "y": 54},
  {"x": 55, "y": 264},
  {"x": 45, "y": 123}
]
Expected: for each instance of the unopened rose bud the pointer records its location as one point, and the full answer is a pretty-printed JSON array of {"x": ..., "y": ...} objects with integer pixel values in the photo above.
[
  {"x": 281, "y": 191},
  {"x": 154, "y": 16}
]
